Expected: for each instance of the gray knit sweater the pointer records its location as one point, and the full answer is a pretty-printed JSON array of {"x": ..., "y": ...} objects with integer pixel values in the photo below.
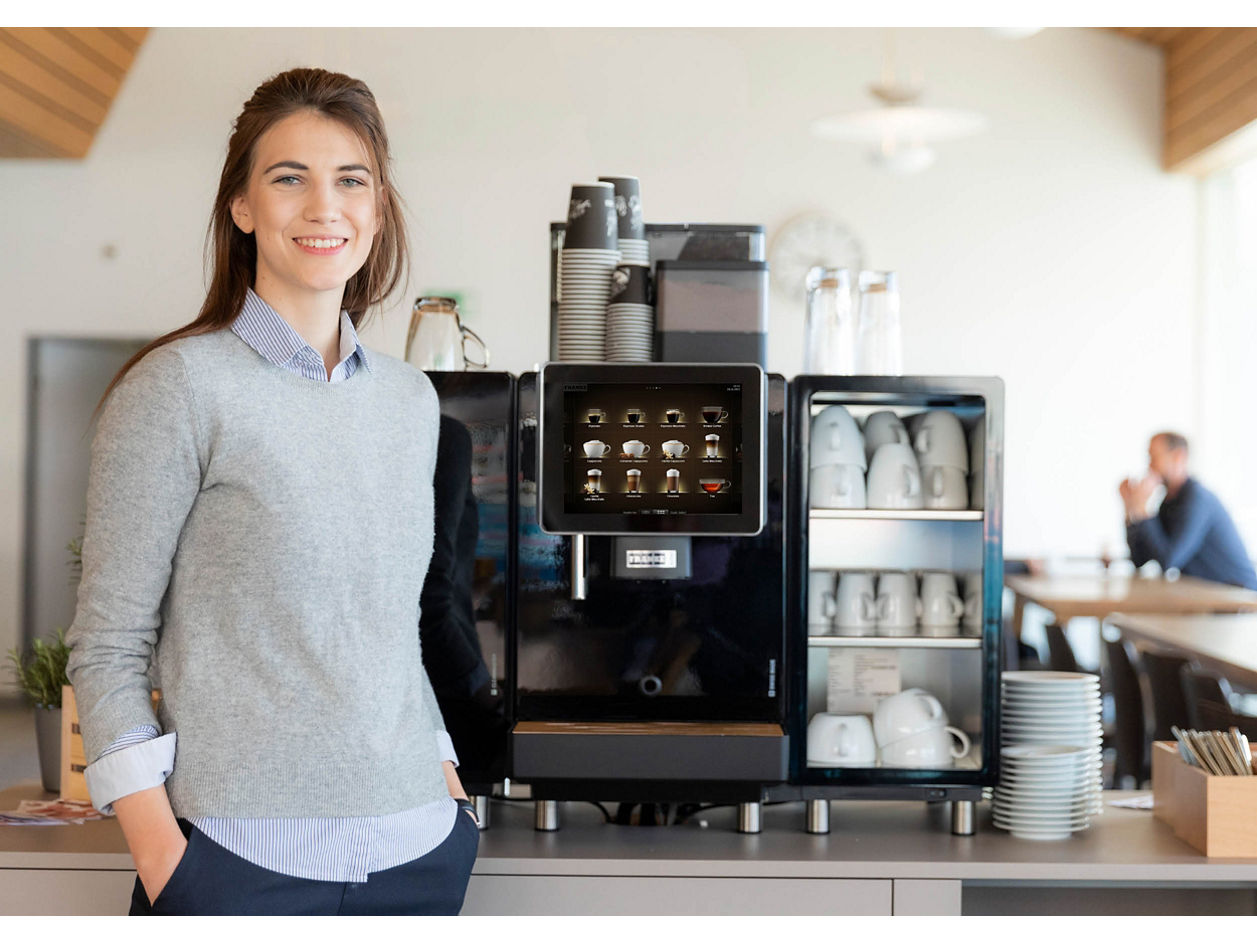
[{"x": 265, "y": 539}]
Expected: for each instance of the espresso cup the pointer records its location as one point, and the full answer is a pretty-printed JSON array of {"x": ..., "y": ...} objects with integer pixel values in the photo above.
[
  {"x": 856, "y": 615},
  {"x": 713, "y": 446},
  {"x": 906, "y": 713},
  {"x": 881, "y": 428},
  {"x": 835, "y": 439},
  {"x": 894, "y": 479},
  {"x": 634, "y": 476},
  {"x": 596, "y": 449},
  {"x": 674, "y": 416},
  {"x": 941, "y": 606},
  {"x": 635, "y": 448},
  {"x": 928, "y": 749},
  {"x": 674, "y": 481},
  {"x": 595, "y": 416},
  {"x": 714, "y": 486},
  {"x": 593, "y": 480},
  {"x": 897, "y": 605},
  {"x": 675, "y": 449},
  {"x": 834, "y": 740},
  {"x": 713, "y": 415},
  {"x": 836, "y": 486},
  {"x": 591, "y": 219},
  {"x": 821, "y": 604},
  {"x": 977, "y": 465},
  {"x": 940, "y": 440},
  {"x": 944, "y": 488},
  {"x": 971, "y": 622},
  {"x": 634, "y": 416}
]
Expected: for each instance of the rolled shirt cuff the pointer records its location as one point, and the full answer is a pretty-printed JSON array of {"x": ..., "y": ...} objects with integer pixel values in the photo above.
[
  {"x": 131, "y": 770},
  {"x": 445, "y": 747}
]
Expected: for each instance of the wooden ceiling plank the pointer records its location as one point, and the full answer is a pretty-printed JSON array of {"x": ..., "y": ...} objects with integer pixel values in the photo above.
[
  {"x": 42, "y": 83},
  {"x": 135, "y": 34},
  {"x": 1190, "y": 43},
  {"x": 1239, "y": 111},
  {"x": 121, "y": 38},
  {"x": 47, "y": 44},
  {"x": 108, "y": 52},
  {"x": 14, "y": 143},
  {"x": 1213, "y": 60},
  {"x": 26, "y": 116},
  {"x": 1187, "y": 107},
  {"x": 1233, "y": 112}
]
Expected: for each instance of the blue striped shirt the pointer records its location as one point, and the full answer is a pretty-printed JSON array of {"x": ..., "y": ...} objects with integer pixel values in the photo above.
[{"x": 337, "y": 849}]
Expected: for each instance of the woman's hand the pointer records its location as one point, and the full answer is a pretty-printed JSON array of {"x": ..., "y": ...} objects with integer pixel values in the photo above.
[
  {"x": 455, "y": 785},
  {"x": 157, "y": 845}
]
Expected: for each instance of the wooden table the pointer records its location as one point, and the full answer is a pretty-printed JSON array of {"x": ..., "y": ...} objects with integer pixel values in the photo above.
[
  {"x": 1099, "y": 596},
  {"x": 1223, "y": 643}
]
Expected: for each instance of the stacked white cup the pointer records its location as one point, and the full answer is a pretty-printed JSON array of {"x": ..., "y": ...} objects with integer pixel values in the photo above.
[
  {"x": 943, "y": 455},
  {"x": 836, "y": 461},
  {"x": 912, "y": 732}
]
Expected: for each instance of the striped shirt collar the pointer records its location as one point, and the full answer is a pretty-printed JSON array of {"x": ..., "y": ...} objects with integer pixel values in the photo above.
[{"x": 262, "y": 328}]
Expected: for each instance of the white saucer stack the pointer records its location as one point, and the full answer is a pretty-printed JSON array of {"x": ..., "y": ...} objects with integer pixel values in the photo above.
[{"x": 1050, "y": 755}]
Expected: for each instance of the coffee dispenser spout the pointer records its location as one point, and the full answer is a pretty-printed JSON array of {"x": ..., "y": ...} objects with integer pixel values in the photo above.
[{"x": 578, "y": 567}]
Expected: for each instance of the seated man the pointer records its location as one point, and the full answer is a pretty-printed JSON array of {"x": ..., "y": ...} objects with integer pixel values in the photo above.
[{"x": 1192, "y": 532}]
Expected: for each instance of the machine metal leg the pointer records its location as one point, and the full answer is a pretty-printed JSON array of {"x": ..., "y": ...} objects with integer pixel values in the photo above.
[
  {"x": 818, "y": 816},
  {"x": 546, "y": 815},
  {"x": 963, "y": 818},
  {"x": 749, "y": 817},
  {"x": 482, "y": 810}
]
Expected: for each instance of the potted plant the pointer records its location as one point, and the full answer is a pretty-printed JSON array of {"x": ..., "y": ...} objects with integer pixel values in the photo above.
[{"x": 40, "y": 674}]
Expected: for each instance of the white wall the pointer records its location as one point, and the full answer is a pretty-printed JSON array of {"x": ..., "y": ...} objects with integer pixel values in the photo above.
[{"x": 1051, "y": 251}]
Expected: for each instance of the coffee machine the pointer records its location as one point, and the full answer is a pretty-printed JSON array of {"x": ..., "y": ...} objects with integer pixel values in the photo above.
[{"x": 650, "y": 619}]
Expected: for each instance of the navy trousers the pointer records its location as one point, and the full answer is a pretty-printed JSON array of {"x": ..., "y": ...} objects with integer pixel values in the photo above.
[{"x": 212, "y": 881}]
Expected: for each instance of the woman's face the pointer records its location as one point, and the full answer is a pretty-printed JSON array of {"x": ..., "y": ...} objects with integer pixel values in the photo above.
[{"x": 311, "y": 203}]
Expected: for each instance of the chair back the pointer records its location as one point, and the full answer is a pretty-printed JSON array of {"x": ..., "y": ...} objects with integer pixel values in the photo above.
[
  {"x": 1213, "y": 716},
  {"x": 1130, "y": 737},
  {"x": 1060, "y": 651},
  {"x": 1202, "y": 686},
  {"x": 1165, "y": 686}
]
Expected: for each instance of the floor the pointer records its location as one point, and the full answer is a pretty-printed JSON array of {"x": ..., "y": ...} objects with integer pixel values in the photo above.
[{"x": 19, "y": 760}]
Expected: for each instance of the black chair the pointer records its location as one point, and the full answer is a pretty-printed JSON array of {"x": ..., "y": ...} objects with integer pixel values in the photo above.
[
  {"x": 1202, "y": 686},
  {"x": 1130, "y": 735},
  {"x": 1165, "y": 691},
  {"x": 1213, "y": 716},
  {"x": 1060, "y": 651}
]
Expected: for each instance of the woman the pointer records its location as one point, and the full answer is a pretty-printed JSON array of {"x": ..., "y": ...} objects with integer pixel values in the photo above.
[{"x": 259, "y": 523}]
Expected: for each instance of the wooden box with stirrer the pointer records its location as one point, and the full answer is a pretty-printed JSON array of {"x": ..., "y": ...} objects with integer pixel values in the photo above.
[{"x": 1216, "y": 814}]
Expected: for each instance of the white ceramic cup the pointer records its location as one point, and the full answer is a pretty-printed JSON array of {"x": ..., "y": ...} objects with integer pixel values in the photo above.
[
  {"x": 856, "y": 616},
  {"x": 894, "y": 479},
  {"x": 898, "y": 607},
  {"x": 905, "y": 713},
  {"x": 675, "y": 449},
  {"x": 835, "y": 740},
  {"x": 940, "y": 440},
  {"x": 821, "y": 603},
  {"x": 977, "y": 464},
  {"x": 596, "y": 449},
  {"x": 836, "y": 486},
  {"x": 941, "y": 605},
  {"x": 881, "y": 428},
  {"x": 929, "y": 749},
  {"x": 944, "y": 488},
  {"x": 835, "y": 439},
  {"x": 635, "y": 448},
  {"x": 971, "y": 622}
]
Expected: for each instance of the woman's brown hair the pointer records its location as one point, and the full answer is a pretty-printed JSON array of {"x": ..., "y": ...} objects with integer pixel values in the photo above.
[{"x": 232, "y": 254}]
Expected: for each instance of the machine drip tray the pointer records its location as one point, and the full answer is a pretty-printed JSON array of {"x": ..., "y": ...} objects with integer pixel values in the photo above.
[{"x": 660, "y": 751}]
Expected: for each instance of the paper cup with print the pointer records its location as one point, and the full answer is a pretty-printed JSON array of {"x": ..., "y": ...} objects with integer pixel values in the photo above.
[
  {"x": 591, "y": 219},
  {"x": 628, "y": 207},
  {"x": 630, "y": 284}
]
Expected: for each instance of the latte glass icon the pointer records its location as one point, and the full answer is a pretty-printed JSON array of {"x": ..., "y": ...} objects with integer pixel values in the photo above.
[
  {"x": 713, "y": 446},
  {"x": 674, "y": 481},
  {"x": 634, "y": 476},
  {"x": 593, "y": 481}
]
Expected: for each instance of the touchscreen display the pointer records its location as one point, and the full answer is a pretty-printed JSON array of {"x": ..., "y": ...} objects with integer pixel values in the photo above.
[{"x": 653, "y": 449}]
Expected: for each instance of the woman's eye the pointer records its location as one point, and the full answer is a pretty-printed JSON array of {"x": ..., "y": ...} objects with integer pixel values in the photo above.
[
  {"x": 353, "y": 182},
  {"x": 287, "y": 179}
]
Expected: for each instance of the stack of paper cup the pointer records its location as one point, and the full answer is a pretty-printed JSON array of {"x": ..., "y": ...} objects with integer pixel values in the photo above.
[
  {"x": 589, "y": 256},
  {"x": 630, "y": 316},
  {"x": 634, "y": 248}
]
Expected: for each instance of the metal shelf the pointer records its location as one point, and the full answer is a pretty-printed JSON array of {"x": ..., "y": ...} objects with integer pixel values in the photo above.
[
  {"x": 913, "y": 641},
  {"x": 821, "y": 514}
]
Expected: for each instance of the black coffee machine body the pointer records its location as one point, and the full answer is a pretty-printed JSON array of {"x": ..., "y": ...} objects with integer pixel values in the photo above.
[{"x": 635, "y": 689}]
